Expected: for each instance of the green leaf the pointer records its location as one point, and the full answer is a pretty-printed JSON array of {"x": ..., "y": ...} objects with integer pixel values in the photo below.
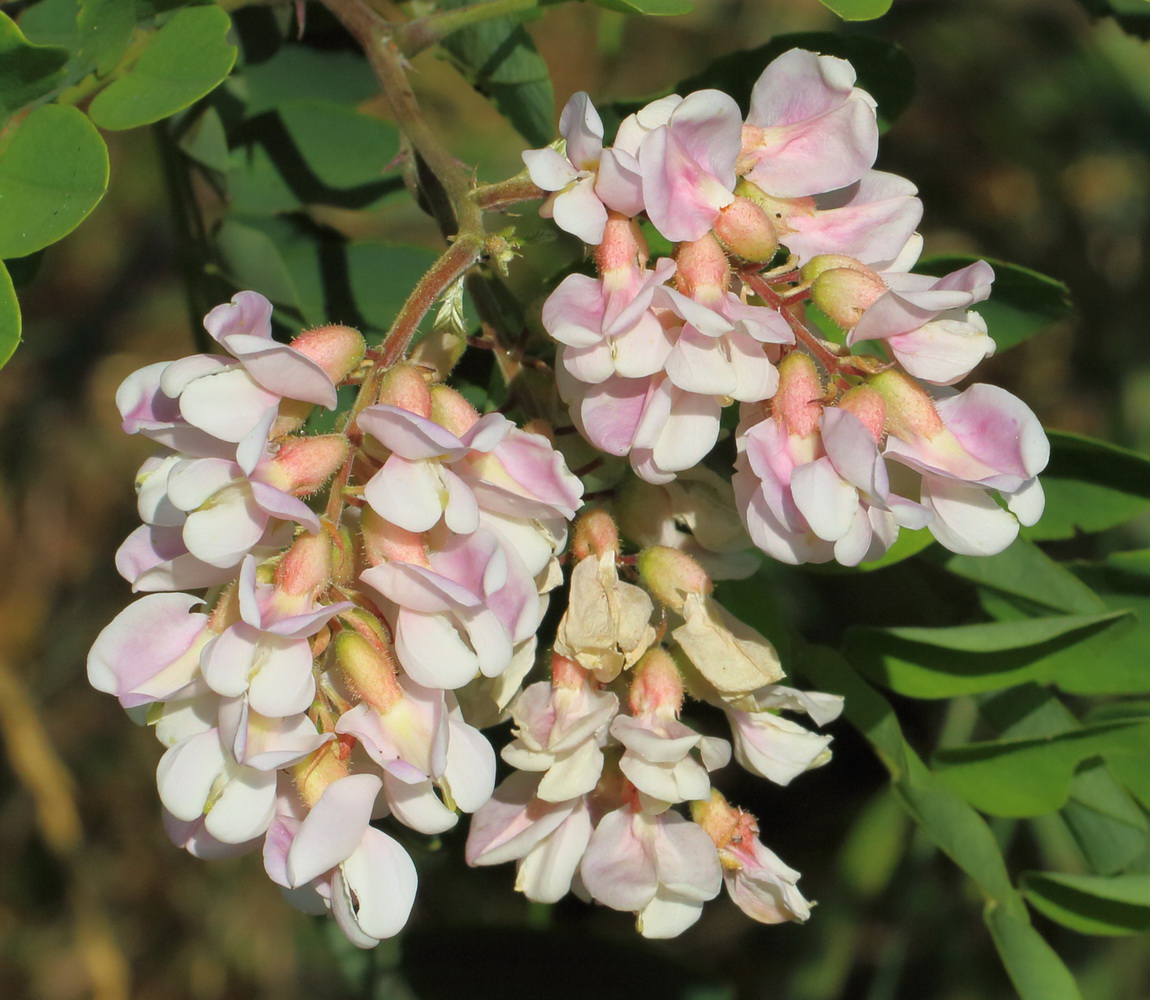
[
  {"x": 1031, "y": 777},
  {"x": 1091, "y": 904},
  {"x": 858, "y": 10},
  {"x": 52, "y": 22},
  {"x": 966, "y": 659},
  {"x": 255, "y": 184},
  {"x": 52, "y": 174},
  {"x": 379, "y": 299},
  {"x": 909, "y": 543},
  {"x": 9, "y": 317},
  {"x": 1073, "y": 456},
  {"x": 653, "y": 7},
  {"x": 252, "y": 260},
  {"x": 186, "y": 59},
  {"x": 499, "y": 59},
  {"x": 883, "y": 69},
  {"x": 1110, "y": 829},
  {"x": 106, "y": 27},
  {"x": 205, "y": 140},
  {"x": 1024, "y": 570},
  {"x": 297, "y": 72},
  {"x": 345, "y": 149},
  {"x": 1022, "y": 302},
  {"x": 1113, "y": 661},
  {"x": 874, "y": 846},
  {"x": 27, "y": 71},
  {"x": 1073, "y": 505},
  {"x": 1033, "y": 966}
]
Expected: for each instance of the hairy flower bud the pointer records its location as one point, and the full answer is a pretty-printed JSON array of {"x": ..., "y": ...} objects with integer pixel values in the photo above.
[
  {"x": 656, "y": 684},
  {"x": 672, "y": 575},
  {"x": 866, "y": 403},
  {"x": 798, "y": 401},
  {"x": 595, "y": 532},
  {"x": 405, "y": 386},
  {"x": 703, "y": 269},
  {"x": 306, "y": 463},
  {"x": 369, "y": 669},
  {"x": 745, "y": 230},
  {"x": 338, "y": 350},
  {"x": 842, "y": 291},
  {"x": 910, "y": 412}
]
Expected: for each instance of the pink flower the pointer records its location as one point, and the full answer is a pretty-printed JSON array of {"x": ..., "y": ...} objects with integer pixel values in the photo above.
[
  {"x": 688, "y": 165},
  {"x": 547, "y": 839},
  {"x": 662, "y": 868},
  {"x": 361, "y": 873},
  {"x": 575, "y": 204},
  {"x": 809, "y": 129}
]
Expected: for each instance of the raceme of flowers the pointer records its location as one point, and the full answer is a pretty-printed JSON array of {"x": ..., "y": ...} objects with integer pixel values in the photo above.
[
  {"x": 836, "y": 450},
  {"x": 372, "y": 596}
]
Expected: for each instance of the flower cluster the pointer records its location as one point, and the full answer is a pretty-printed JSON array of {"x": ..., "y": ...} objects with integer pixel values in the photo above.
[
  {"x": 319, "y": 684},
  {"x": 334, "y": 679},
  {"x": 777, "y": 219},
  {"x": 603, "y": 757}
]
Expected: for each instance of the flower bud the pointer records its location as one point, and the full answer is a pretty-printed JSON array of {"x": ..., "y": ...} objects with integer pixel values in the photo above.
[
  {"x": 369, "y": 669},
  {"x": 657, "y": 686},
  {"x": 338, "y": 350},
  {"x": 671, "y": 575},
  {"x": 306, "y": 463},
  {"x": 746, "y": 231},
  {"x": 449, "y": 409},
  {"x": 704, "y": 272},
  {"x": 798, "y": 400},
  {"x": 567, "y": 673},
  {"x": 314, "y": 773},
  {"x": 623, "y": 246},
  {"x": 405, "y": 386},
  {"x": 305, "y": 568},
  {"x": 595, "y": 531},
  {"x": 866, "y": 403},
  {"x": 718, "y": 818},
  {"x": 384, "y": 541},
  {"x": 910, "y": 412},
  {"x": 844, "y": 293}
]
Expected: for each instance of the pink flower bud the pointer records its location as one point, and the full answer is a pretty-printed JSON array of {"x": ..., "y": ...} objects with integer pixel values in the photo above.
[
  {"x": 798, "y": 400},
  {"x": 306, "y": 566},
  {"x": 657, "y": 685},
  {"x": 306, "y": 463},
  {"x": 405, "y": 386},
  {"x": 671, "y": 575},
  {"x": 567, "y": 673},
  {"x": 718, "y": 818},
  {"x": 369, "y": 669},
  {"x": 910, "y": 411},
  {"x": 595, "y": 531},
  {"x": 338, "y": 350},
  {"x": 623, "y": 246},
  {"x": 703, "y": 269},
  {"x": 450, "y": 410},
  {"x": 384, "y": 541},
  {"x": 745, "y": 230},
  {"x": 867, "y": 404}
]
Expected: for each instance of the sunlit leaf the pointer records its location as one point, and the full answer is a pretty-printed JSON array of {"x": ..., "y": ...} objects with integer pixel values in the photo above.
[
  {"x": 52, "y": 174},
  {"x": 186, "y": 59},
  {"x": 106, "y": 27}
]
